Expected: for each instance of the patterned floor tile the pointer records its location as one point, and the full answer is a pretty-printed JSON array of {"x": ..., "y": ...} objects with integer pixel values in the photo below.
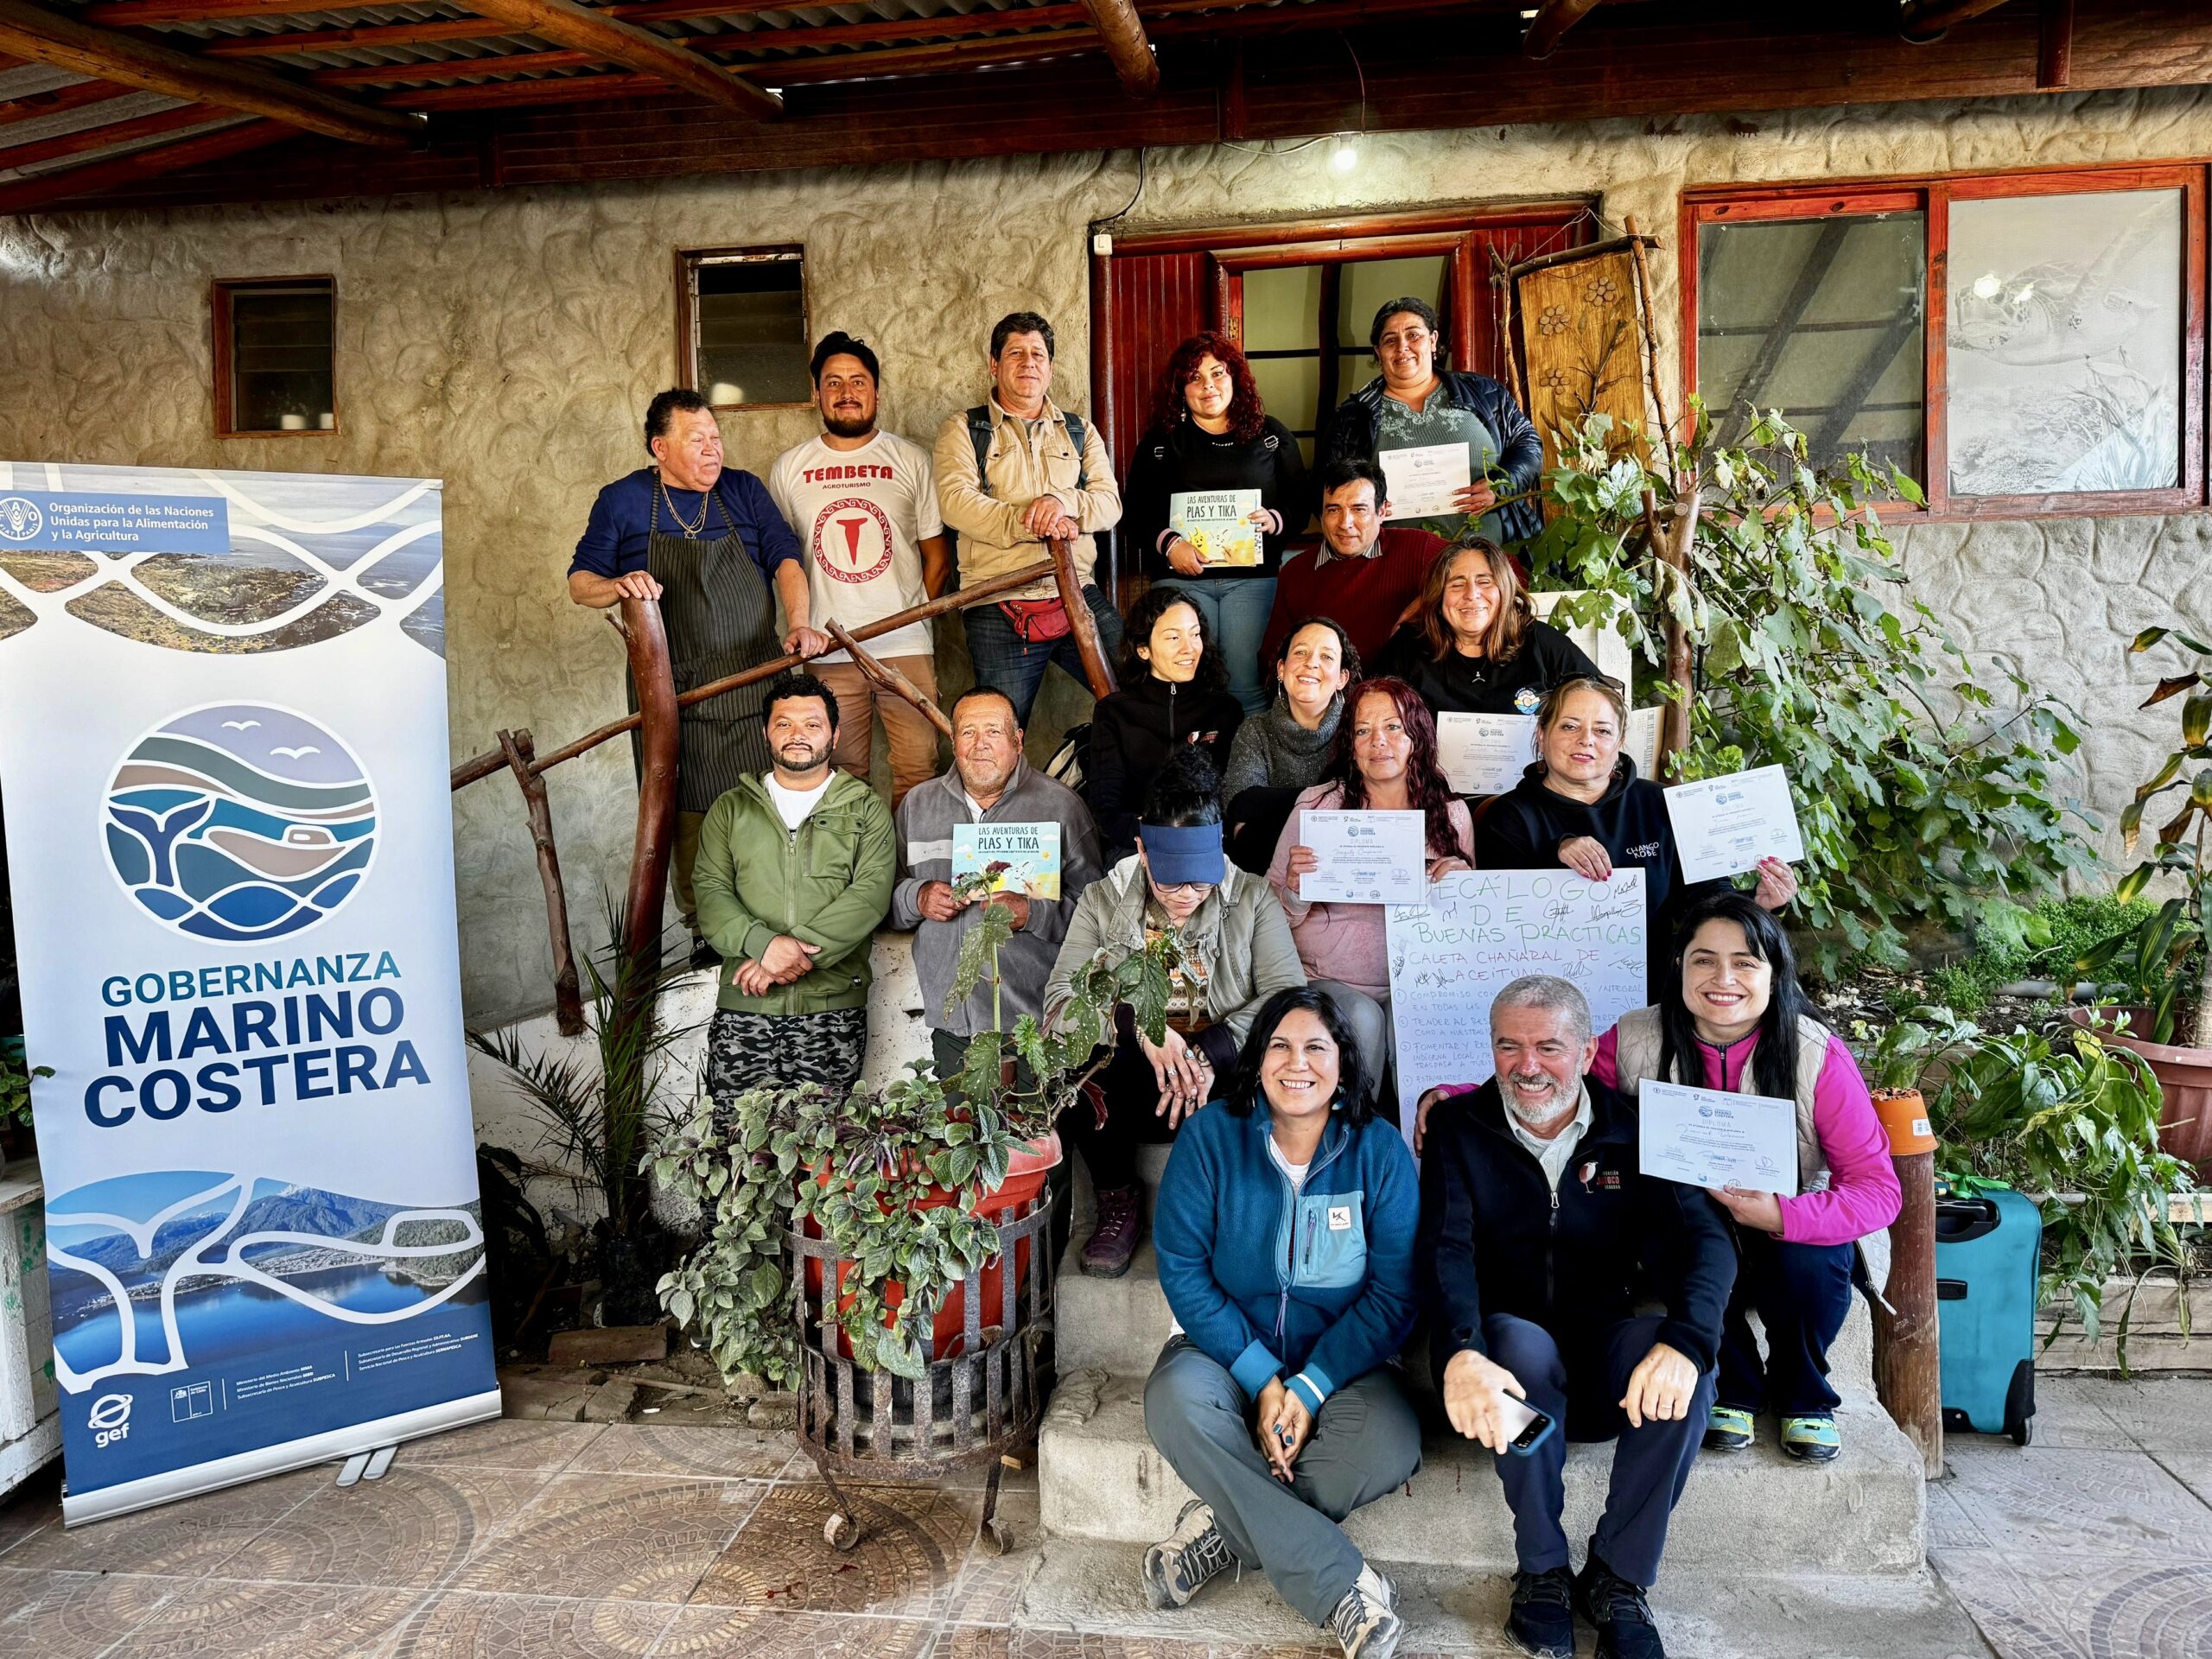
[
  {"x": 2070, "y": 1414},
  {"x": 2163, "y": 1413},
  {"x": 989, "y": 1586},
  {"x": 35, "y": 1504},
  {"x": 700, "y": 1453},
  {"x": 703, "y": 1632},
  {"x": 226, "y": 1620},
  {"x": 1949, "y": 1526},
  {"x": 506, "y": 1443},
  {"x": 913, "y": 1545},
  {"x": 188, "y": 1539},
  {"x": 461, "y": 1625},
  {"x": 599, "y": 1537},
  {"x": 2192, "y": 1469},
  {"x": 2060, "y": 1503},
  {"x": 408, "y": 1530},
  {"x": 2098, "y": 1607},
  {"x": 73, "y": 1615}
]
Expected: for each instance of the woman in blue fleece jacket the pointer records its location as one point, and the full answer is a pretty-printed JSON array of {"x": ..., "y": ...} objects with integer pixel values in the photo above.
[{"x": 1285, "y": 1231}]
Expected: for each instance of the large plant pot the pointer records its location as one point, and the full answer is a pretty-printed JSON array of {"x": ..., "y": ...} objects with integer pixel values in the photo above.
[
  {"x": 1028, "y": 1170},
  {"x": 2184, "y": 1077}
]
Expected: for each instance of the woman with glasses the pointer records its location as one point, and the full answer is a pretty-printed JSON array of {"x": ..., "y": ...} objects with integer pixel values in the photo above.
[
  {"x": 1235, "y": 951},
  {"x": 1414, "y": 404}
]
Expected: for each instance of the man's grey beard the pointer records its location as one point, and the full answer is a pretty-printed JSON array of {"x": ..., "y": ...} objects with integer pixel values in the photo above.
[{"x": 1557, "y": 1105}]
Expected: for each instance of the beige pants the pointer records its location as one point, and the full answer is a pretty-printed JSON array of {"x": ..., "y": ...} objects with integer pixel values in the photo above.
[{"x": 912, "y": 739}]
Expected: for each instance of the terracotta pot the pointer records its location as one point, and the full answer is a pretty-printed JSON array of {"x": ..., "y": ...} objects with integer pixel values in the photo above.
[
  {"x": 2184, "y": 1075},
  {"x": 1905, "y": 1118}
]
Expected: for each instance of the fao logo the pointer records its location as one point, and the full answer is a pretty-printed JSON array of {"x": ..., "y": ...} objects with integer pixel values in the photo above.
[
  {"x": 20, "y": 518},
  {"x": 109, "y": 1419}
]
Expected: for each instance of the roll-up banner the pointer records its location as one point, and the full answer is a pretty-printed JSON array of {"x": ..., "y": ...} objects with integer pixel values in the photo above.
[{"x": 223, "y": 766}]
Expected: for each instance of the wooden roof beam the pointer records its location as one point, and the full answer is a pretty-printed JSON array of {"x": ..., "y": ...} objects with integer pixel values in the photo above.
[
  {"x": 62, "y": 99},
  {"x": 115, "y": 132},
  {"x": 44, "y": 36},
  {"x": 1119, "y": 26},
  {"x": 1551, "y": 23},
  {"x": 70, "y": 182},
  {"x": 1925, "y": 20},
  {"x": 564, "y": 22}
]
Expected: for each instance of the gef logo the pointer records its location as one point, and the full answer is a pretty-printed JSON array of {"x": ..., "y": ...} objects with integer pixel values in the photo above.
[{"x": 109, "y": 1419}]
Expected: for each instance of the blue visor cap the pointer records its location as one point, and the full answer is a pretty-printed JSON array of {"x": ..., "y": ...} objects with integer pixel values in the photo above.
[{"x": 1177, "y": 854}]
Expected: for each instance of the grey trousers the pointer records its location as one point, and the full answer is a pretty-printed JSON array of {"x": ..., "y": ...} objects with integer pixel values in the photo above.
[{"x": 1366, "y": 1440}]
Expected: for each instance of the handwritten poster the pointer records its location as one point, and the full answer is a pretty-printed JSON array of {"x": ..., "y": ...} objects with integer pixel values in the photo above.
[
  {"x": 1022, "y": 858},
  {"x": 1479, "y": 931}
]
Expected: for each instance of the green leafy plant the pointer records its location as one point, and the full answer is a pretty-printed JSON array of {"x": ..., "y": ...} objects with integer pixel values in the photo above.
[
  {"x": 2054, "y": 944},
  {"x": 1919, "y": 798},
  {"x": 16, "y": 1082},
  {"x": 2162, "y": 962},
  {"x": 891, "y": 1176}
]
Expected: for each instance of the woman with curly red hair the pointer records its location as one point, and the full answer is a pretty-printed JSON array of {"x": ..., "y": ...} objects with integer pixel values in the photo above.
[{"x": 1211, "y": 436}]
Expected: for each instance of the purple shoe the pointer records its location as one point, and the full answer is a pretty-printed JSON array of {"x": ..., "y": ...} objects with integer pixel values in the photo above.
[{"x": 1114, "y": 1240}]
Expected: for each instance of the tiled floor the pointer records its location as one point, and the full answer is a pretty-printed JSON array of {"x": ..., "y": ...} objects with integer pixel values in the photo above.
[{"x": 553, "y": 1539}]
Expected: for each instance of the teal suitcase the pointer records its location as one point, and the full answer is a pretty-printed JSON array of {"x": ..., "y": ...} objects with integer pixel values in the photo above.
[{"x": 1987, "y": 1251}]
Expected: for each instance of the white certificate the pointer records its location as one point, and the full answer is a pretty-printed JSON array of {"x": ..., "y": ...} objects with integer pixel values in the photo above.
[
  {"x": 1422, "y": 482},
  {"x": 1703, "y": 1137},
  {"x": 1367, "y": 858},
  {"x": 1484, "y": 754},
  {"x": 1723, "y": 826}
]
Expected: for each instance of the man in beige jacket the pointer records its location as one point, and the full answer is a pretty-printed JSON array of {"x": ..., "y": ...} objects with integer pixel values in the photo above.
[{"x": 1013, "y": 474}]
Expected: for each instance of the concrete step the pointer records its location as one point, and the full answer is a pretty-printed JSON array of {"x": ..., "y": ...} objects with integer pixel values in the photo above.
[
  {"x": 1713, "y": 1613},
  {"x": 1755, "y": 1512}
]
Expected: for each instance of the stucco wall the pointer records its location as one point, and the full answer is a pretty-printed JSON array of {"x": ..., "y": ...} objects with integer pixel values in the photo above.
[{"x": 508, "y": 342}]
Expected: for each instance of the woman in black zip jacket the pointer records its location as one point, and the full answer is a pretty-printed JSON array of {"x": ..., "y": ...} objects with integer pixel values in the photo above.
[
  {"x": 1581, "y": 807},
  {"x": 1173, "y": 692}
]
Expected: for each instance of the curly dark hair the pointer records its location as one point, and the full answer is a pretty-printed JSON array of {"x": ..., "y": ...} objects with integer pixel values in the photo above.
[
  {"x": 1425, "y": 787},
  {"x": 1247, "y": 414},
  {"x": 1213, "y": 673},
  {"x": 1244, "y": 1091}
]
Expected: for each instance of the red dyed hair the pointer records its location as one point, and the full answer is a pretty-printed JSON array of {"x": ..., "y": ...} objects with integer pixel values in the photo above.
[
  {"x": 1427, "y": 789},
  {"x": 1246, "y": 411}
]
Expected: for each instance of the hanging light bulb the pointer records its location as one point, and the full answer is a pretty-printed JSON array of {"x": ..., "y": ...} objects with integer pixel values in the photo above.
[{"x": 1344, "y": 155}]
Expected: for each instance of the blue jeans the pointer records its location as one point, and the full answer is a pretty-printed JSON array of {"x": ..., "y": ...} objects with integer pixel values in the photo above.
[
  {"x": 1005, "y": 662},
  {"x": 1801, "y": 1294},
  {"x": 1234, "y": 610}
]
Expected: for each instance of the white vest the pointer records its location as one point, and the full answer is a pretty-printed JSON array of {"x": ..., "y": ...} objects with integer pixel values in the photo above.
[{"x": 1637, "y": 1044}]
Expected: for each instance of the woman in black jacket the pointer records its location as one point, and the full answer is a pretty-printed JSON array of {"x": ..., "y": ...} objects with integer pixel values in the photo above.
[
  {"x": 1581, "y": 807},
  {"x": 1172, "y": 693},
  {"x": 1210, "y": 434},
  {"x": 1474, "y": 645}
]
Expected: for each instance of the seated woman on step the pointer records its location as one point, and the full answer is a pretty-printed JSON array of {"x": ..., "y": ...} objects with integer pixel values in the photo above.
[
  {"x": 1733, "y": 1016},
  {"x": 1236, "y": 953},
  {"x": 1285, "y": 1227}
]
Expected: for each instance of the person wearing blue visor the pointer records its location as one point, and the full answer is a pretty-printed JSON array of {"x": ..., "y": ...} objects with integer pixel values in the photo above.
[{"x": 1235, "y": 951}]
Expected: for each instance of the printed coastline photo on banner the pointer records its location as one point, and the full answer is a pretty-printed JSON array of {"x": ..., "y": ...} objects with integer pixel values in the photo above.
[{"x": 230, "y": 838}]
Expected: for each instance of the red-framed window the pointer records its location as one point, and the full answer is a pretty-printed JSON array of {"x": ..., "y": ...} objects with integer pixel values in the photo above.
[{"x": 2021, "y": 343}]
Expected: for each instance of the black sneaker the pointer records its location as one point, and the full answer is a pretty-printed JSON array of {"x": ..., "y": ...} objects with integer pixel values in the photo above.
[
  {"x": 704, "y": 955},
  {"x": 1619, "y": 1609},
  {"x": 1543, "y": 1619}
]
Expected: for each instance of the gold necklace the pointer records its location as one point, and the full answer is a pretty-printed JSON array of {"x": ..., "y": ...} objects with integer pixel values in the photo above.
[{"x": 693, "y": 531}]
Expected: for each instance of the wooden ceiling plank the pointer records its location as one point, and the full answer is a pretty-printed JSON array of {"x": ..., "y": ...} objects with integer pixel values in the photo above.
[
  {"x": 1552, "y": 21},
  {"x": 49, "y": 37},
  {"x": 365, "y": 34},
  {"x": 511, "y": 95},
  {"x": 25, "y": 195},
  {"x": 115, "y": 132},
  {"x": 941, "y": 58},
  {"x": 1127, "y": 48},
  {"x": 76, "y": 96},
  {"x": 506, "y": 63},
  {"x": 951, "y": 25},
  {"x": 564, "y": 23},
  {"x": 1923, "y": 20}
]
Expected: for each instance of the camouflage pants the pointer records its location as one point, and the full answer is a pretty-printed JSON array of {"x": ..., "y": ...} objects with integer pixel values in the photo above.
[{"x": 757, "y": 1051}]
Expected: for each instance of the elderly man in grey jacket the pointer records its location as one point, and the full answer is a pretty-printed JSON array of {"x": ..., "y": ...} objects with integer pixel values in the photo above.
[{"x": 989, "y": 785}]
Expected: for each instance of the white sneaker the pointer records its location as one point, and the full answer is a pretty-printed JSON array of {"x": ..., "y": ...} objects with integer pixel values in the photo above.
[
  {"x": 1366, "y": 1621},
  {"x": 1193, "y": 1556}
]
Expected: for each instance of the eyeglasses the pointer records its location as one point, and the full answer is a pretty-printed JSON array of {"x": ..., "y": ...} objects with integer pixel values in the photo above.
[{"x": 1184, "y": 889}]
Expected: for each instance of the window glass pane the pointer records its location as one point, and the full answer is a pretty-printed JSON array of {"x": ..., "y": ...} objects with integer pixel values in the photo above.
[
  {"x": 752, "y": 344},
  {"x": 1290, "y": 388},
  {"x": 281, "y": 375},
  {"x": 1372, "y": 283},
  {"x": 1822, "y": 319},
  {"x": 2065, "y": 344},
  {"x": 1283, "y": 308}
]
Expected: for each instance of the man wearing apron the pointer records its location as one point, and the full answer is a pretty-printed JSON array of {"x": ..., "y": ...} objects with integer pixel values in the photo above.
[{"x": 707, "y": 542}]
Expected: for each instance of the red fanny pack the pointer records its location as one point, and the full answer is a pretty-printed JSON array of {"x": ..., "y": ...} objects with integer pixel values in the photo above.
[{"x": 1036, "y": 620}]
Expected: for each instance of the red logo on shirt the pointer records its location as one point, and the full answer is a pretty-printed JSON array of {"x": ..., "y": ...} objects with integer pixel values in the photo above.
[{"x": 852, "y": 540}]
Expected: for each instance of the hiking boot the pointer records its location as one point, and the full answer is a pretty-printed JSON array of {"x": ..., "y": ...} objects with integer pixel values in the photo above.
[
  {"x": 1194, "y": 1554},
  {"x": 1114, "y": 1241},
  {"x": 1617, "y": 1606},
  {"x": 1728, "y": 1430},
  {"x": 1366, "y": 1621},
  {"x": 1811, "y": 1440},
  {"x": 1543, "y": 1619}
]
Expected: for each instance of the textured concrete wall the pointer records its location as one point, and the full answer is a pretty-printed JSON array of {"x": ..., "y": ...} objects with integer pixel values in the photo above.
[{"x": 508, "y": 342}]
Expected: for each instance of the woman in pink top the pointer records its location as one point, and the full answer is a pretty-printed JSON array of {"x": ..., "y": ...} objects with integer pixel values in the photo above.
[
  {"x": 1385, "y": 762},
  {"x": 1733, "y": 1017}
]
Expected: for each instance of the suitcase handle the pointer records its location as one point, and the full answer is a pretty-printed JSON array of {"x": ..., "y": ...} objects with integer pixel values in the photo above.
[
  {"x": 1959, "y": 1221},
  {"x": 1950, "y": 1290}
]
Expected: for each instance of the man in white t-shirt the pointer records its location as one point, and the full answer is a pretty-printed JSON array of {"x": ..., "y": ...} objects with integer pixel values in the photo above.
[{"x": 863, "y": 506}]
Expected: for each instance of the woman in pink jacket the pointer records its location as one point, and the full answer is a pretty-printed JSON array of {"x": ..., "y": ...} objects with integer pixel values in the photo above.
[
  {"x": 1733, "y": 1017},
  {"x": 1385, "y": 761}
]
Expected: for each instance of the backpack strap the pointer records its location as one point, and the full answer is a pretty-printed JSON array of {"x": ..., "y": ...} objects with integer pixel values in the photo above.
[
  {"x": 1076, "y": 435},
  {"x": 979, "y": 433}
]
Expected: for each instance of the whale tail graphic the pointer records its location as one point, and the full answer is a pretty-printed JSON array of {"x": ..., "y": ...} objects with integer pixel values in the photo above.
[{"x": 159, "y": 830}]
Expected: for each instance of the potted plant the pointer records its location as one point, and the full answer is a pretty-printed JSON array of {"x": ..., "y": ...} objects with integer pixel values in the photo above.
[
  {"x": 15, "y": 1100},
  {"x": 905, "y": 1179},
  {"x": 2162, "y": 964}
]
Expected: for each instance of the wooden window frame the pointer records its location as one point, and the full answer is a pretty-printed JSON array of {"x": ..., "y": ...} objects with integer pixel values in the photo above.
[
  {"x": 688, "y": 260},
  {"x": 224, "y": 327},
  {"x": 1932, "y": 195}
]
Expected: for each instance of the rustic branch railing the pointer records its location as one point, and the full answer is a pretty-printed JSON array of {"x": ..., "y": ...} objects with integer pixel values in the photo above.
[{"x": 660, "y": 707}]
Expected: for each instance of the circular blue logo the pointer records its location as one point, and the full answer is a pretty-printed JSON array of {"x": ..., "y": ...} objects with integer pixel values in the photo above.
[
  {"x": 240, "y": 823},
  {"x": 20, "y": 518}
]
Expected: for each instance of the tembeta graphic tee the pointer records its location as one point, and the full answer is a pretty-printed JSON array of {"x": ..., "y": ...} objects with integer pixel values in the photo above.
[{"x": 859, "y": 516}]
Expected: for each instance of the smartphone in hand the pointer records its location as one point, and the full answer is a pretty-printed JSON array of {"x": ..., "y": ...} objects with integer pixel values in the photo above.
[{"x": 1528, "y": 1426}]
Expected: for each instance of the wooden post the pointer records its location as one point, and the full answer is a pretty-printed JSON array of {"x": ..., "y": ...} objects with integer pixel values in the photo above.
[
  {"x": 1908, "y": 1355},
  {"x": 1643, "y": 312},
  {"x": 659, "y": 718},
  {"x": 1672, "y": 534},
  {"x": 1096, "y": 668},
  {"x": 890, "y": 678},
  {"x": 567, "y": 995}
]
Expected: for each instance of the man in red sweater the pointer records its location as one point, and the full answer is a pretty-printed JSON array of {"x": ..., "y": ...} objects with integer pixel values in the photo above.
[{"x": 1364, "y": 574}]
